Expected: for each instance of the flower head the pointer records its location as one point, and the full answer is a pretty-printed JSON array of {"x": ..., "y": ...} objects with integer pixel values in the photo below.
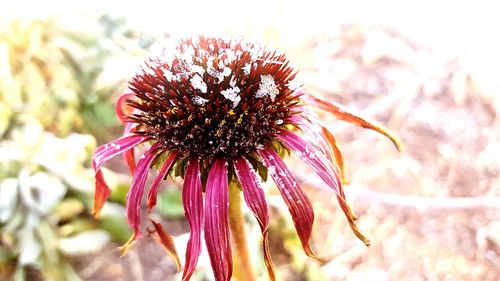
[{"x": 215, "y": 112}]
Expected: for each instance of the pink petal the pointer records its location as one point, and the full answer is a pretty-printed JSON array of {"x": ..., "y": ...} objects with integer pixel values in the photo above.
[
  {"x": 255, "y": 200},
  {"x": 298, "y": 204},
  {"x": 164, "y": 238},
  {"x": 155, "y": 186},
  {"x": 129, "y": 127},
  {"x": 217, "y": 236},
  {"x": 310, "y": 126},
  {"x": 101, "y": 155},
  {"x": 313, "y": 157},
  {"x": 192, "y": 201},
  {"x": 134, "y": 195}
]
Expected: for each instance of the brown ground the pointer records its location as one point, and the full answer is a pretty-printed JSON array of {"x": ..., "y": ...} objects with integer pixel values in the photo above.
[{"x": 419, "y": 207}]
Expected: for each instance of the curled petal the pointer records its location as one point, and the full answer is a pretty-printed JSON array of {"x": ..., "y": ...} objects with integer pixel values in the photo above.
[
  {"x": 325, "y": 171},
  {"x": 298, "y": 204},
  {"x": 255, "y": 200},
  {"x": 192, "y": 200},
  {"x": 166, "y": 241},
  {"x": 217, "y": 236},
  {"x": 101, "y": 155},
  {"x": 129, "y": 127},
  {"x": 121, "y": 104},
  {"x": 345, "y": 115},
  {"x": 134, "y": 195},
  {"x": 155, "y": 186}
]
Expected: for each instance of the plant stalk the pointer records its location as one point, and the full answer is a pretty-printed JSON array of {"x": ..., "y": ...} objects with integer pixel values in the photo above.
[{"x": 242, "y": 266}]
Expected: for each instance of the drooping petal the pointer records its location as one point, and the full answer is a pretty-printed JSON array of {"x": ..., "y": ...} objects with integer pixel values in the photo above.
[
  {"x": 192, "y": 200},
  {"x": 298, "y": 204},
  {"x": 101, "y": 155},
  {"x": 162, "y": 236},
  {"x": 129, "y": 126},
  {"x": 313, "y": 157},
  {"x": 217, "y": 236},
  {"x": 255, "y": 200},
  {"x": 348, "y": 116},
  {"x": 134, "y": 196},
  {"x": 325, "y": 171},
  {"x": 155, "y": 186},
  {"x": 339, "y": 160}
]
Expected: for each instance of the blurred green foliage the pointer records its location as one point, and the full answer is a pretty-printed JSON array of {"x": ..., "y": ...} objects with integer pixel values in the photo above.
[{"x": 55, "y": 100}]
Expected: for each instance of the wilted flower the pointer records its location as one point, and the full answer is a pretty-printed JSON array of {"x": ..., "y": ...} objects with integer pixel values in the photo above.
[{"x": 217, "y": 112}]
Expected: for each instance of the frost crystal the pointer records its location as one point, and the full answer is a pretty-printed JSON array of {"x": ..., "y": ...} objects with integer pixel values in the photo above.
[
  {"x": 199, "y": 100},
  {"x": 246, "y": 68},
  {"x": 215, "y": 74},
  {"x": 168, "y": 75},
  {"x": 198, "y": 69},
  {"x": 294, "y": 85},
  {"x": 256, "y": 53},
  {"x": 198, "y": 83},
  {"x": 226, "y": 71},
  {"x": 267, "y": 87},
  {"x": 232, "y": 94}
]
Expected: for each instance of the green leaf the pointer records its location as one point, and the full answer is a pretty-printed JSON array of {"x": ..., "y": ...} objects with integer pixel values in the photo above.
[{"x": 117, "y": 227}]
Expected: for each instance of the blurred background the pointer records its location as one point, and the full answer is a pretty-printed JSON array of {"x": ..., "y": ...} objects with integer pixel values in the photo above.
[{"x": 427, "y": 70}]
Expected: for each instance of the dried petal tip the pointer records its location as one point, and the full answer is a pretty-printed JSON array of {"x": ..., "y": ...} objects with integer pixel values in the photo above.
[
  {"x": 348, "y": 116},
  {"x": 131, "y": 242},
  {"x": 161, "y": 235}
]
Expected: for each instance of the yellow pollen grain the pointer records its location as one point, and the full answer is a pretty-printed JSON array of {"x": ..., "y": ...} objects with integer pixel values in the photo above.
[
  {"x": 230, "y": 112},
  {"x": 240, "y": 120}
]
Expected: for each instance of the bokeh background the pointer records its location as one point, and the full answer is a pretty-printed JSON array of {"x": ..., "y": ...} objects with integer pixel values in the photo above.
[{"x": 428, "y": 70}]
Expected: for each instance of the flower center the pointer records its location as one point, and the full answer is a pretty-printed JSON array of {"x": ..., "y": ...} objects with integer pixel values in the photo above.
[{"x": 211, "y": 97}]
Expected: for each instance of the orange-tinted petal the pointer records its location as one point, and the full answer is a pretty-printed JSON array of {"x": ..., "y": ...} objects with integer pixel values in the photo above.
[
  {"x": 332, "y": 142},
  {"x": 166, "y": 241},
  {"x": 102, "y": 192},
  {"x": 345, "y": 115}
]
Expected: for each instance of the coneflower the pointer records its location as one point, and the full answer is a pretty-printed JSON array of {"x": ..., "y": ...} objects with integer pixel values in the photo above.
[{"x": 222, "y": 115}]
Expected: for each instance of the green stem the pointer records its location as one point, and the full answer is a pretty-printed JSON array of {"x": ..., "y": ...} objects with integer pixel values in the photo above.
[{"x": 242, "y": 267}]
